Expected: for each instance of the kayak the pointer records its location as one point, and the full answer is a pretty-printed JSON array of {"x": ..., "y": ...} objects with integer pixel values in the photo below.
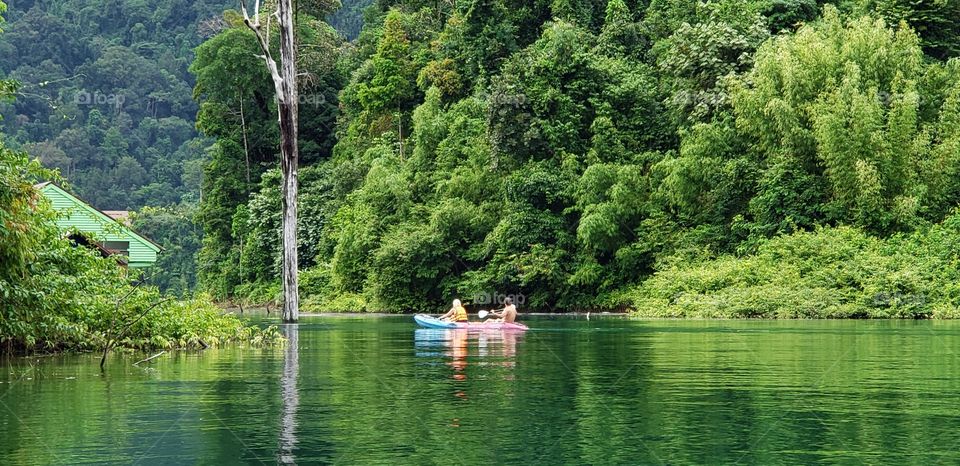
[{"x": 426, "y": 321}]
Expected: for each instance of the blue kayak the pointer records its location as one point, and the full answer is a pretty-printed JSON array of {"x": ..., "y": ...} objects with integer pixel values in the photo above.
[{"x": 426, "y": 321}]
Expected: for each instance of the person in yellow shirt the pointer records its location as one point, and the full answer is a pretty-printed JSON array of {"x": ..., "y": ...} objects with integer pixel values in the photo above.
[{"x": 457, "y": 313}]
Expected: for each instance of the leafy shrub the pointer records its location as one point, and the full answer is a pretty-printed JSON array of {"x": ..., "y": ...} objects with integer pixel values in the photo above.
[
  {"x": 830, "y": 273},
  {"x": 56, "y": 295}
]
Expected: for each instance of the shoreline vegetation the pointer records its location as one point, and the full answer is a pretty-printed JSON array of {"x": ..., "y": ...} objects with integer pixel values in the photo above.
[
  {"x": 829, "y": 273},
  {"x": 57, "y": 296}
]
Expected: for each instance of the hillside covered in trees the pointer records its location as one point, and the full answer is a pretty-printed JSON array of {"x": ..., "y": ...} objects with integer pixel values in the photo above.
[
  {"x": 56, "y": 296},
  {"x": 563, "y": 151},
  {"x": 568, "y": 151},
  {"x": 104, "y": 94}
]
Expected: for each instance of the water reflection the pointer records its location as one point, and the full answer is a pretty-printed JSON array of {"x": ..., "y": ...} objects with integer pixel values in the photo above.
[
  {"x": 458, "y": 355},
  {"x": 497, "y": 347},
  {"x": 290, "y": 395},
  {"x": 607, "y": 392},
  {"x": 494, "y": 347},
  {"x": 501, "y": 343}
]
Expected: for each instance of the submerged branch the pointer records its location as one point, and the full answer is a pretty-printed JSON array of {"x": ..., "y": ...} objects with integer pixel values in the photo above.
[
  {"x": 111, "y": 341},
  {"x": 150, "y": 358}
]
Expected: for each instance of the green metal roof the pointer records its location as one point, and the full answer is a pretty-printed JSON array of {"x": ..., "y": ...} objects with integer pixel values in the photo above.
[{"x": 80, "y": 215}]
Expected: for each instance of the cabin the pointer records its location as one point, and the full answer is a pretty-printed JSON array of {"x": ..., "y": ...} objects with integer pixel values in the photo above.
[{"x": 109, "y": 230}]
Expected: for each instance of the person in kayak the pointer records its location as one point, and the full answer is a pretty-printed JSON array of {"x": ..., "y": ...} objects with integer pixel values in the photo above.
[
  {"x": 456, "y": 313},
  {"x": 507, "y": 314}
]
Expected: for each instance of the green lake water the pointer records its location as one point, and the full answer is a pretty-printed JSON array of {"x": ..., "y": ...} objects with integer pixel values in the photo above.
[{"x": 375, "y": 390}]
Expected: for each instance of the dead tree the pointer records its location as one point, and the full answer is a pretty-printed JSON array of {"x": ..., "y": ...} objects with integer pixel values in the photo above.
[{"x": 285, "y": 84}]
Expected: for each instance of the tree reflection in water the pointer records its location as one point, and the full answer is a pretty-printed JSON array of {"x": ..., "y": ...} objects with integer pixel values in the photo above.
[{"x": 291, "y": 397}]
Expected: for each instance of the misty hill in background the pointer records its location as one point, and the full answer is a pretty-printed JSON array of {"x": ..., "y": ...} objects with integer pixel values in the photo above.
[{"x": 106, "y": 96}]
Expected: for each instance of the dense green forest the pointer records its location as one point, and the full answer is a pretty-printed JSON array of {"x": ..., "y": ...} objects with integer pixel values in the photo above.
[
  {"x": 56, "y": 296},
  {"x": 568, "y": 151},
  {"x": 105, "y": 96},
  {"x": 348, "y": 19},
  {"x": 577, "y": 154}
]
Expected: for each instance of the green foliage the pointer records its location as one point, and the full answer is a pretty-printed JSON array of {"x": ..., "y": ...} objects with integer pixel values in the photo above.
[
  {"x": 836, "y": 108},
  {"x": 348, "y": 20},
  {"x": 407, "y": 268},
  {"x": 58, "y": 295},
  {"x": 719, "y": 45},
  {"x": 85, "y": 71},
  {"x": 620, "y": 33},
  {"x": 934, "y": 21},
  {"x": 218, "y": 253},
  {"x": 611, "y": 198},
  {"x": 176, "y": 230},
  {"x": 831, "y": 273},
  {"x": 391, "y": 83},
  {"x": 267, "y": 294},
  {"x": 238, "y": 109},
  {"x": 18, "y": 202},
  {"x": 105, "y": 98},
  {"x": 109, "y": 92},
  {"x": 545, "y": 105},
  {"x": 788, "y": 15},
  {"x": 567, "y": 151}
]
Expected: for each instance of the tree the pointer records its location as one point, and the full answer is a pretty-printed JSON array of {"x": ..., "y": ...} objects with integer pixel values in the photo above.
[
  {"x": 285, "y": 83},
  {"x": 934, "y": 21},
  {"x": 835, "y": 114},
  {"x": 696, "y": 58},
  {"x": 176, "y": 229}
]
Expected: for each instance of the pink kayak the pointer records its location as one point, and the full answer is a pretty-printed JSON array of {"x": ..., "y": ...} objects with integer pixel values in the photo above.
[{"x": 426, "y": 321}]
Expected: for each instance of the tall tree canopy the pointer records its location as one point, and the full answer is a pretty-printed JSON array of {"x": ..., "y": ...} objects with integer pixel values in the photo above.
[{"x": 565, "y": 151}]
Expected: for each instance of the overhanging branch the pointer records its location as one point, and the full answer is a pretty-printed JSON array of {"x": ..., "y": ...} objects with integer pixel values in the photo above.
[{"x": 264, "y": 42}]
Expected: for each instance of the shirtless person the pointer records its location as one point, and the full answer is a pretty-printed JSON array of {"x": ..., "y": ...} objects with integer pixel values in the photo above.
[{"x": 507, "y": 314}]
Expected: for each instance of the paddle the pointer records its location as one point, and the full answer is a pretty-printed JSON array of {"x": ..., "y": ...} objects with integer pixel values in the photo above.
[{"x": 482, "y": 314}]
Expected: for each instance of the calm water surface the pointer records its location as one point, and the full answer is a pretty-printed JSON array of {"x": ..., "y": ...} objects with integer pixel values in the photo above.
[{"x": 610, "y": 390}]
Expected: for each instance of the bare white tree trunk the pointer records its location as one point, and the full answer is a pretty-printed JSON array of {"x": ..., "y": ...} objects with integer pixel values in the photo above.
[
  {"x": 290, "y": 396},
  {"x": 285, "y": 84}
]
